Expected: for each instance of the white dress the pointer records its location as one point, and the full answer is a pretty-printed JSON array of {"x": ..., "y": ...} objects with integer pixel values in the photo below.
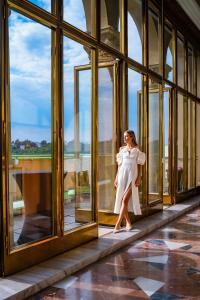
[{"x": 127, "y": 174}]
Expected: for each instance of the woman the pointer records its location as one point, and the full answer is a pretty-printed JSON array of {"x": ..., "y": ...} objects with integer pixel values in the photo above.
[{"x": 128, "y": 178}]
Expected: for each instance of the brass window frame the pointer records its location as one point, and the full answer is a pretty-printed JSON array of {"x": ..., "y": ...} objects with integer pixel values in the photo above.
[{"x": 60, "y": 28}]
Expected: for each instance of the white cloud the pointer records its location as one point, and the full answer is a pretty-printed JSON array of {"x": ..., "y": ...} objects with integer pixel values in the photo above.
[
  {"x": 30, "y": 49},
  {"x": 74, "y": 13}
]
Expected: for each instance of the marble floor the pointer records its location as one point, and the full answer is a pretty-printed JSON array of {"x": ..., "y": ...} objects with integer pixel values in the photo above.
[{"x": 163, "y": 265}]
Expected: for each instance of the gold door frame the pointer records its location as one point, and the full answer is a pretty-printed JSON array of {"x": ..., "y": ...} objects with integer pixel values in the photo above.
[
  {"x": 104, "y": 217},
  {"x": 157, "y": 203},
  {"x": 39, "y": 250},
  {"x": 169, "y": 198}
]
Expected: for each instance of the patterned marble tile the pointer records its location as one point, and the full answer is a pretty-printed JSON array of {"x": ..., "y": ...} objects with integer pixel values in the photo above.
[
  {"x": 149, "y": 286},
  {"x": 161, "y": 259},
  {"x": 172, "y": 273}
]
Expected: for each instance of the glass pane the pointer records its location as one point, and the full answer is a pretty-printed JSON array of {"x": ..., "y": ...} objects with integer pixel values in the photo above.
[
  {"x": 180, "y": 140},
  {"x": 168, "y": 52},
  {"x": 198, "y": 75},
  {"x": 30, "y": 171},
  {"x": 110, "y": 23},
  {"x": 135, "y": 27},
  {"x": 190, "y": 70},
  {"x": 78, "y": 14},
  {"x": 181, "y": 62},
  {"x": 135, "y": 102},
  {"x": 166, "y": 141},
  {"x": 135, "y": 117},
  {"x": 45, "y": 4},
  {"x": 77, "y": 135},
  {"x": 154, "y": 41},
  {"x": 106, "y": 143},
  {"x": 154, "y": 165},
  {"x": 197, "y": 145},
  {"x": 191, "y": 143}
]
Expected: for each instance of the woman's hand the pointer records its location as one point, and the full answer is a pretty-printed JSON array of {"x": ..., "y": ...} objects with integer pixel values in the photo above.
[
  {"x": 116, "y": 182},
  {"x": 138, "y": 181}
]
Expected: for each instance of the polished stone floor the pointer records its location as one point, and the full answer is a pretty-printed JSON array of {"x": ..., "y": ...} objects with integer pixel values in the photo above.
[{"x": 163, "y": 265}]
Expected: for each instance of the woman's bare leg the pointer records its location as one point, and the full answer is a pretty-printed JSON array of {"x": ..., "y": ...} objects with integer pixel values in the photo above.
[
  {"x": 124, "y": 208},
  {"x": 127, "y": 219}
]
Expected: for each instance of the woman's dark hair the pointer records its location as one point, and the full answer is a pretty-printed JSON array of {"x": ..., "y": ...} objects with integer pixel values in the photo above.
[{"x": 132, "y": 134}]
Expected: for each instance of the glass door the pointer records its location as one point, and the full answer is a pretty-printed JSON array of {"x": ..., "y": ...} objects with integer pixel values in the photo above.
[
  {"x": 155, "y": 142},
  {"x": 107, "y": 141},
  {"x": 28, "y": 173},
  {"x": 167, "y": 146}
]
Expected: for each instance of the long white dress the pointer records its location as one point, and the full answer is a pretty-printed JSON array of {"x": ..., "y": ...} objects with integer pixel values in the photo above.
[{"x": 127, "y": 173}]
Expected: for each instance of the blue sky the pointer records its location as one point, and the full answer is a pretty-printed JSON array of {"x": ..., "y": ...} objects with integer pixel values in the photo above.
[
  {"x": 30, "y": 78},
  {"x": 45, "y": 4}
]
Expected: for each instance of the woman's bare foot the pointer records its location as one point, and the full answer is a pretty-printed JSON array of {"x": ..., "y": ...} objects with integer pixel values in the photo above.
[
  {"x": 117, "y": 229},
  {"x": 129, "y": 227}
]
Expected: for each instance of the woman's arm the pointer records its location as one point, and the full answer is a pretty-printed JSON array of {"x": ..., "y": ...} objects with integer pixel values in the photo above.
[
  {"x": 116, "y": 179},
  {"x": 138, "y": 179}
]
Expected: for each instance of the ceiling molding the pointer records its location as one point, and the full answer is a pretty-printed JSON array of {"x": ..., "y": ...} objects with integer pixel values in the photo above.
[{"x": 192, "y": 9}]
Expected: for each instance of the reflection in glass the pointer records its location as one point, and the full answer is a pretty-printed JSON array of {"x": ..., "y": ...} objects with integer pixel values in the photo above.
[
  {"x": 181, "y": 62},
  {"x": 197, "y": 144},
  {"x": 78, "y": 14},
  {"x": 166, "y": 141},
  {"x": 110, "y": 23},
  {"x": 154, "y": 164},
  {"x": 180, "y": 143},
  {"x": 198, "y": 76},
  {"x": 30, "y": 155},
  {"x": 154, "y": 40},
  {"x": 168, "y": 51},
  {"x": 106, "y": 143},
  {"x": 191, "y": 143},
  {"x": 45, "y": 4},
  {"x": 135, "y": 23},
  {"x": 77, "y": 135},
  {"x": 190, "y": 70}
]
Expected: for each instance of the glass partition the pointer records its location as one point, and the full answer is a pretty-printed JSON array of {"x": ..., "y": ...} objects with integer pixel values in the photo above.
[
  {"x": 135, "y": 27},
  {"x": 135, "y": 108},
  {"x": 110, "y": 23},
  {"x": 197, "y": 144},
  {"x": 191, "y": 144},
  {"x": 180, "y": 144},
  {"x": 154, "y": 40},
  {"x": 77, "y": 135},
  {"x": 78, "y": 14},
  {"x": 190, "y": 70},
  {"x": 154, "y": 142},
  {"x": 30, "y": 140},
  {"x": 166, "y": 138},
  {"x": 168, "y": 51},
  {"x": 181, "y": 62},
  {"x": 106, "y": 140},
  {"x": 135, "y": 103}
]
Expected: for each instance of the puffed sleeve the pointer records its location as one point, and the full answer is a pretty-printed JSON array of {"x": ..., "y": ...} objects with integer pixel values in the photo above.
[
  {"x": 119, "y": 157},
  {"x": 141, "y": 158}
]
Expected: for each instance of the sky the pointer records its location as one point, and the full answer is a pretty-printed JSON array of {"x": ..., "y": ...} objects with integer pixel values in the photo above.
[{"x": 30, "y": 79}]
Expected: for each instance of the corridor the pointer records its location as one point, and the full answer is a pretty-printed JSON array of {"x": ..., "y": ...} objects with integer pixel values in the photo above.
[{"x": 162, "y": 265}]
